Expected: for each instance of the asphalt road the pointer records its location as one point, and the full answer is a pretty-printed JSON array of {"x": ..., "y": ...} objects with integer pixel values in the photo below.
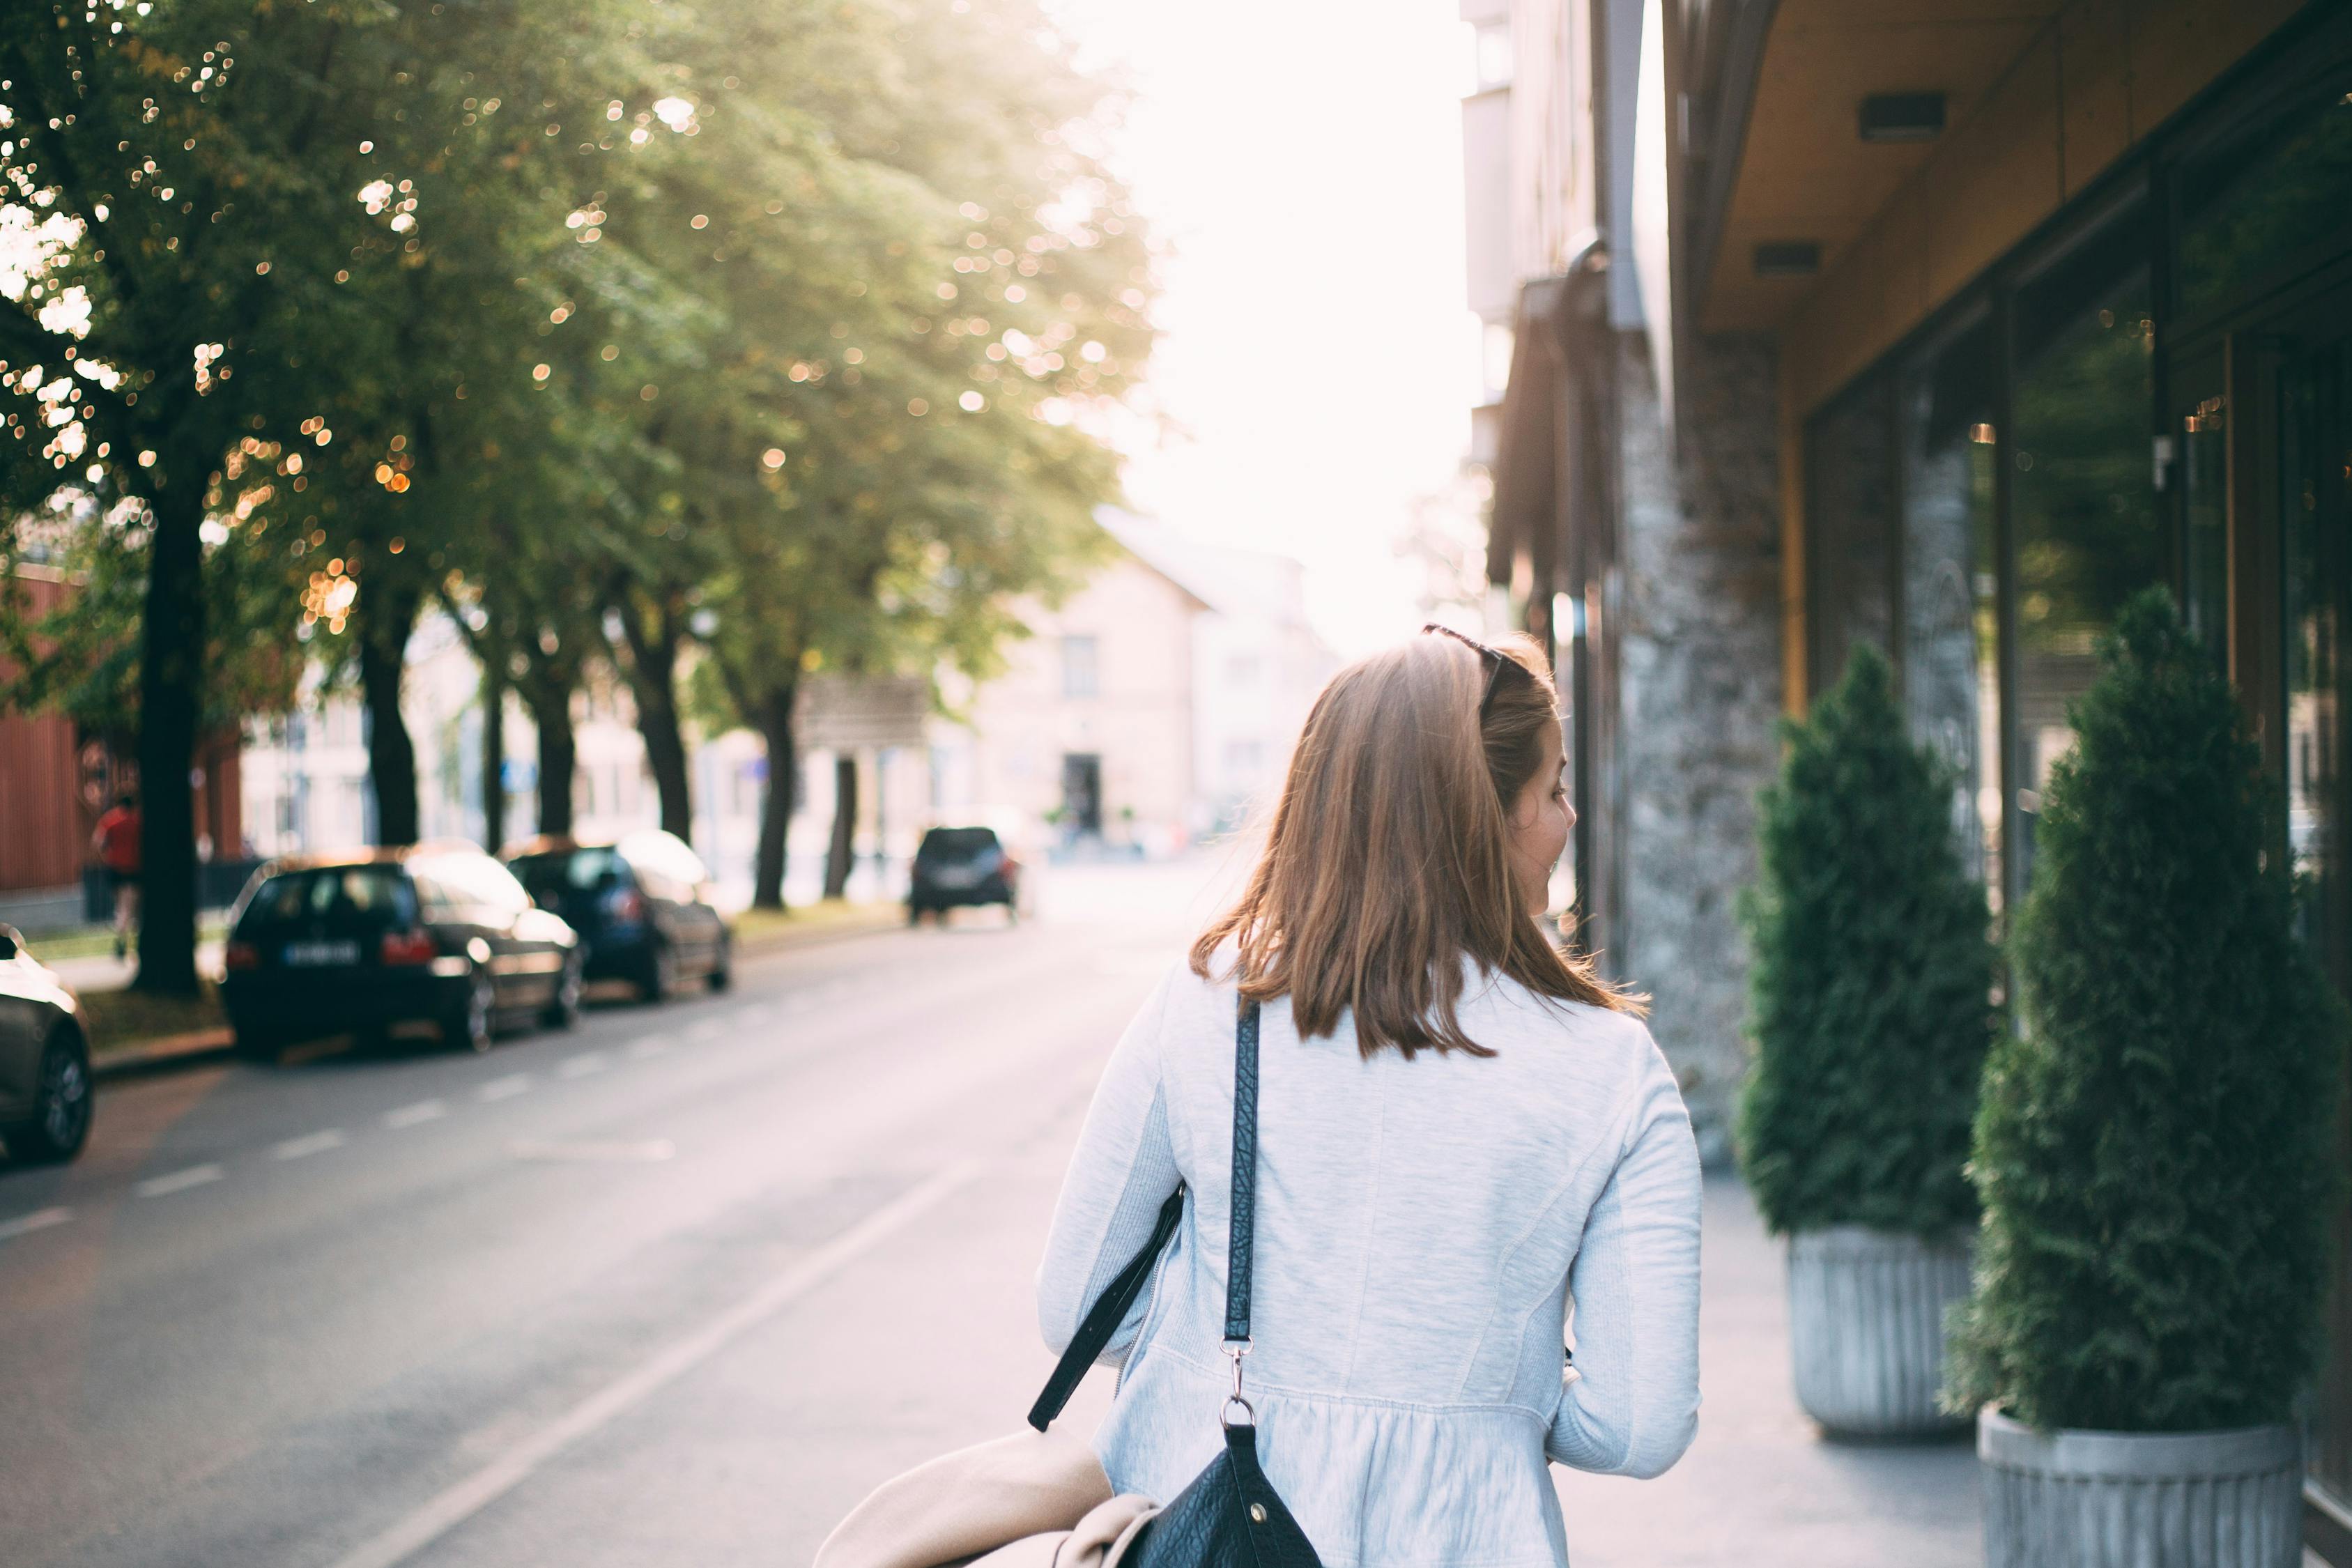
[{"x": 676, "y": 1287}]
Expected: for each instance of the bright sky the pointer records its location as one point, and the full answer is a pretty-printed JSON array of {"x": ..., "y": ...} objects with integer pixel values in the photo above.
[{"x": 1301, "y": 162}]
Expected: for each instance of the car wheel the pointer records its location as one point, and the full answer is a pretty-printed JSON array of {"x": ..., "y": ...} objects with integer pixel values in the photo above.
[
  {"x": 722, "y": 971},
  {"x": 61, "y": 1104},
  {"x": 914, "y": 915},
  {"x": 563, "y": 1012},
  {"x": 469, "y": 1026},
  {"x": 659, "y": 980},
  {"x": 1012, "y": 913}
]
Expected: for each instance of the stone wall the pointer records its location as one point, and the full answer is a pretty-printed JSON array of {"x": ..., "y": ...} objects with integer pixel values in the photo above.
[{"x": 1700, "y": 630}]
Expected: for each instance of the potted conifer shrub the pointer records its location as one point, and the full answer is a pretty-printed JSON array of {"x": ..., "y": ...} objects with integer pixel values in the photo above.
[
  {"x": 2153, "y": 1152},
  {"x": 1870, "y": 1007}
]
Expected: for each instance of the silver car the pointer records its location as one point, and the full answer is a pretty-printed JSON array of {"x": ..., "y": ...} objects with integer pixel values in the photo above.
[{"x": 44, "y": 1099}]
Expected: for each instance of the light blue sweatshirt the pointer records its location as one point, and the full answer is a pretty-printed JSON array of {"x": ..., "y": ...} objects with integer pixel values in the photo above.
[{"x": 1423, "y": 1229}]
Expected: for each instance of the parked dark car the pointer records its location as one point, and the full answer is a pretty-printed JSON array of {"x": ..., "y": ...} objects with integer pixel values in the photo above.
[
  {"x": 369, "y": 940},
  {"x": 959, "y": 865},
  {"x": 45, "y": 1099},
  {"x": 641, "y": 904}
]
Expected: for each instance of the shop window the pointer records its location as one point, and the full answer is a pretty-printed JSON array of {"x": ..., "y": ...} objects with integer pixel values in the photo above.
[
  {"x": 1849, "y": 546},
  {"x": 2083, "y": 489},
  {"x": 1080, "y": 675},
  {"x": 1951, "y": 666},
  {"x": 2268, "y": 202},
  {"x": 2315, "y": 484}
]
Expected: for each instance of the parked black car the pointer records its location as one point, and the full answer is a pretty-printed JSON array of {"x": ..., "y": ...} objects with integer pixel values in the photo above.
[
  {"x": 44, "y": 1100},
  {"x": 435, "y": 933},
  {"x": 641, "y": 904},
  {"x": 959, "y": 865}
]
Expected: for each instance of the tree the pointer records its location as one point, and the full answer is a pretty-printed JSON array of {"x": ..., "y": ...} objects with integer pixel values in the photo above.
[
  {"x": 180, "y": 172},
  {"x": 475, "y": 422},
  {"x": 1870, "y": 984},
  {"x": 2154, "y": 1151},
  {"x": 921, "y": 306}
]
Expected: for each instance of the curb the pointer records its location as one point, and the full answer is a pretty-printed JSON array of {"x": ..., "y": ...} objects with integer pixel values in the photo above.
[
  {"x": 171, "y": 1053},
  {"x": 884, "y": 917},
  {"x": 208, "y": 1047}
]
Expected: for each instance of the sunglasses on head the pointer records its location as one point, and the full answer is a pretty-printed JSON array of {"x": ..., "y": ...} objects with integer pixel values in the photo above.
[{"x": 1497, "y": 661}]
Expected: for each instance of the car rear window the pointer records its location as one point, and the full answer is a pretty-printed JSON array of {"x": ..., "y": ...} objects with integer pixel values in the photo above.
[
  {"x": 550, "y": 876},
  {"x": 472, "y": 884},
  {"x": 664, "y": 855},
  {"x": 328, "y": 893},
  {"x": 956, "y": 843}
]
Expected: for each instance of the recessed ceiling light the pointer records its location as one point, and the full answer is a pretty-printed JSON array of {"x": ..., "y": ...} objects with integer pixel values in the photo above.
[
  {"x": 1788, "y": 259},
  {"x": 1902, "y": 116}
]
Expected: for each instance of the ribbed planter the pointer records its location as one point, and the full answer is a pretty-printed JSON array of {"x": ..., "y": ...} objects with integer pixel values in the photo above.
[
  {"x": 2134, "y": 1499},
  {"x": 1866, "y": 1327}
]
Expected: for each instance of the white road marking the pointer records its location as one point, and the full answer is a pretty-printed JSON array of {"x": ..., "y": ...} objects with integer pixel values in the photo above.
[
  {"x": 582, "y": 1065},
  {"x": 650, "y": 1152},
  {"x": 460, "y": 1502},
  {"x": 651, "y": 1046},
  {"x": 708, "y": 1029},
  {"x": 315, "y": 1144},
  {"x": 39, "y": 1219},
  {"x": 179, "y": 1181},
  {"x": 505, "y": 1088},
  {"x": 410, "y": 1115}
]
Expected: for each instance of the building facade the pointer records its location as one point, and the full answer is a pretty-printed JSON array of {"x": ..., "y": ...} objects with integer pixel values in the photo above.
[
  {"x": 1943, "y": 327},
  {"x": 1087, "y": 737},
  {"x": 57, "y": 777}
]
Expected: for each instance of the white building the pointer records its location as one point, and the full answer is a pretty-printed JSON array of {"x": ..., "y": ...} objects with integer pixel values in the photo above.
[{"x": 1153, "y": 707}]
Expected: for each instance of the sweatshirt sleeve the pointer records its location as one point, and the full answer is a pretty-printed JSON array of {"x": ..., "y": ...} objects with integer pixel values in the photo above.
[
  {"x": 1630, "y": 1405},
  {"x": 1122, "y": 1172}
]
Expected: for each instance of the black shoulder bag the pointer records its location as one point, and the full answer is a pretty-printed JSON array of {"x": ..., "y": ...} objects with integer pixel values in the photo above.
[{"x": 1229, "y": 1516}]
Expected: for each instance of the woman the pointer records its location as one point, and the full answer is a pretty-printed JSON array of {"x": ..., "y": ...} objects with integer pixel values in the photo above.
[{"x": 1463, "y": 1136}]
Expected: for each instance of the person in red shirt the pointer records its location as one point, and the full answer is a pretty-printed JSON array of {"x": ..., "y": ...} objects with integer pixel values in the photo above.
[{"x": 116, "y": 845}]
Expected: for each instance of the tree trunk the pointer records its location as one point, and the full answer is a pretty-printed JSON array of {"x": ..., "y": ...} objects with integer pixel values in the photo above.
[
  {"x": 550, "y": 702},
  {"x": 838, "y": 856},
  {"x": 170, "y": 696},
  {"x": 385, "y": 620},
  {"x": 653, "y": 680},
  {"x": 776, "y": 802},
  {"x": 494, "y": 754}
]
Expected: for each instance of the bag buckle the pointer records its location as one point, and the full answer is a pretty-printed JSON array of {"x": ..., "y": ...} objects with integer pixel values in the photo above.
[{"x": 1234, "y": 1349}]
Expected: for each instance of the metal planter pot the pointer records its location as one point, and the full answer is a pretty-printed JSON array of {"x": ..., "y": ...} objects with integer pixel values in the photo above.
[
  {"x": 1866, "y": 1327},
  {"x": 2133, "y": 1500}
]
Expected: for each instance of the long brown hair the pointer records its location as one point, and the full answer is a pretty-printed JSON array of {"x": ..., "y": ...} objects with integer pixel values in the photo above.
[{"x": 1389, "y": 854}]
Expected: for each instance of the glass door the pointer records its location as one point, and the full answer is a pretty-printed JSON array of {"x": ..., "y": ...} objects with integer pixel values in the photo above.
[{"x": 2306, "y": 381}]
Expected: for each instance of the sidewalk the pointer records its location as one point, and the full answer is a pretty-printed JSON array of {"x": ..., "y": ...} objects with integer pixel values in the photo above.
[
  {"x": 1759, "y": 1488},
  {"x": 758, "y": 935},
  {"x": 900, "y": 1379}
]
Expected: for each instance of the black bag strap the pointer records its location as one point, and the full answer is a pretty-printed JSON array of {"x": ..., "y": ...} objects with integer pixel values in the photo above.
[
  {"x": 1239, "y": 1239},
  {"x": 1103, "y": 1319},
  {"x": 1111, "y": 1308}
]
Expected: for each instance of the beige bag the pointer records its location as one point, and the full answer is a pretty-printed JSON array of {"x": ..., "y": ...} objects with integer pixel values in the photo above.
[{"x": 1030, "y": 1500}]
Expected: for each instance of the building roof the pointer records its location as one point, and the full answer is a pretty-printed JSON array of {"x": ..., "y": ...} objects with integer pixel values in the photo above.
[{"x": 1253, "y": 583}]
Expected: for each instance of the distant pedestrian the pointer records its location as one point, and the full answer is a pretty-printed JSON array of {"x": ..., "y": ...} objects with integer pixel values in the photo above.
[
  {"x": 116, "y": 845},
  {"x": 1462, "y": 1132}
]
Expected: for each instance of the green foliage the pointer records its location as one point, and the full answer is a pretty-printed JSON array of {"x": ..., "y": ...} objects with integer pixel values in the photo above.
[
  {"x": 1871, "y": 982},
  {"x": 778, "y": 335},
  {"x": 2153, "y": 1149}
]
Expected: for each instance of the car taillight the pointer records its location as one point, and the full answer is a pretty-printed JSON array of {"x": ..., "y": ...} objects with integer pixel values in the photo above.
[
  {"x": 240, "y": 955},
  {"x": 409, "y": 947},
  {"x": 624, "y": 904}
]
